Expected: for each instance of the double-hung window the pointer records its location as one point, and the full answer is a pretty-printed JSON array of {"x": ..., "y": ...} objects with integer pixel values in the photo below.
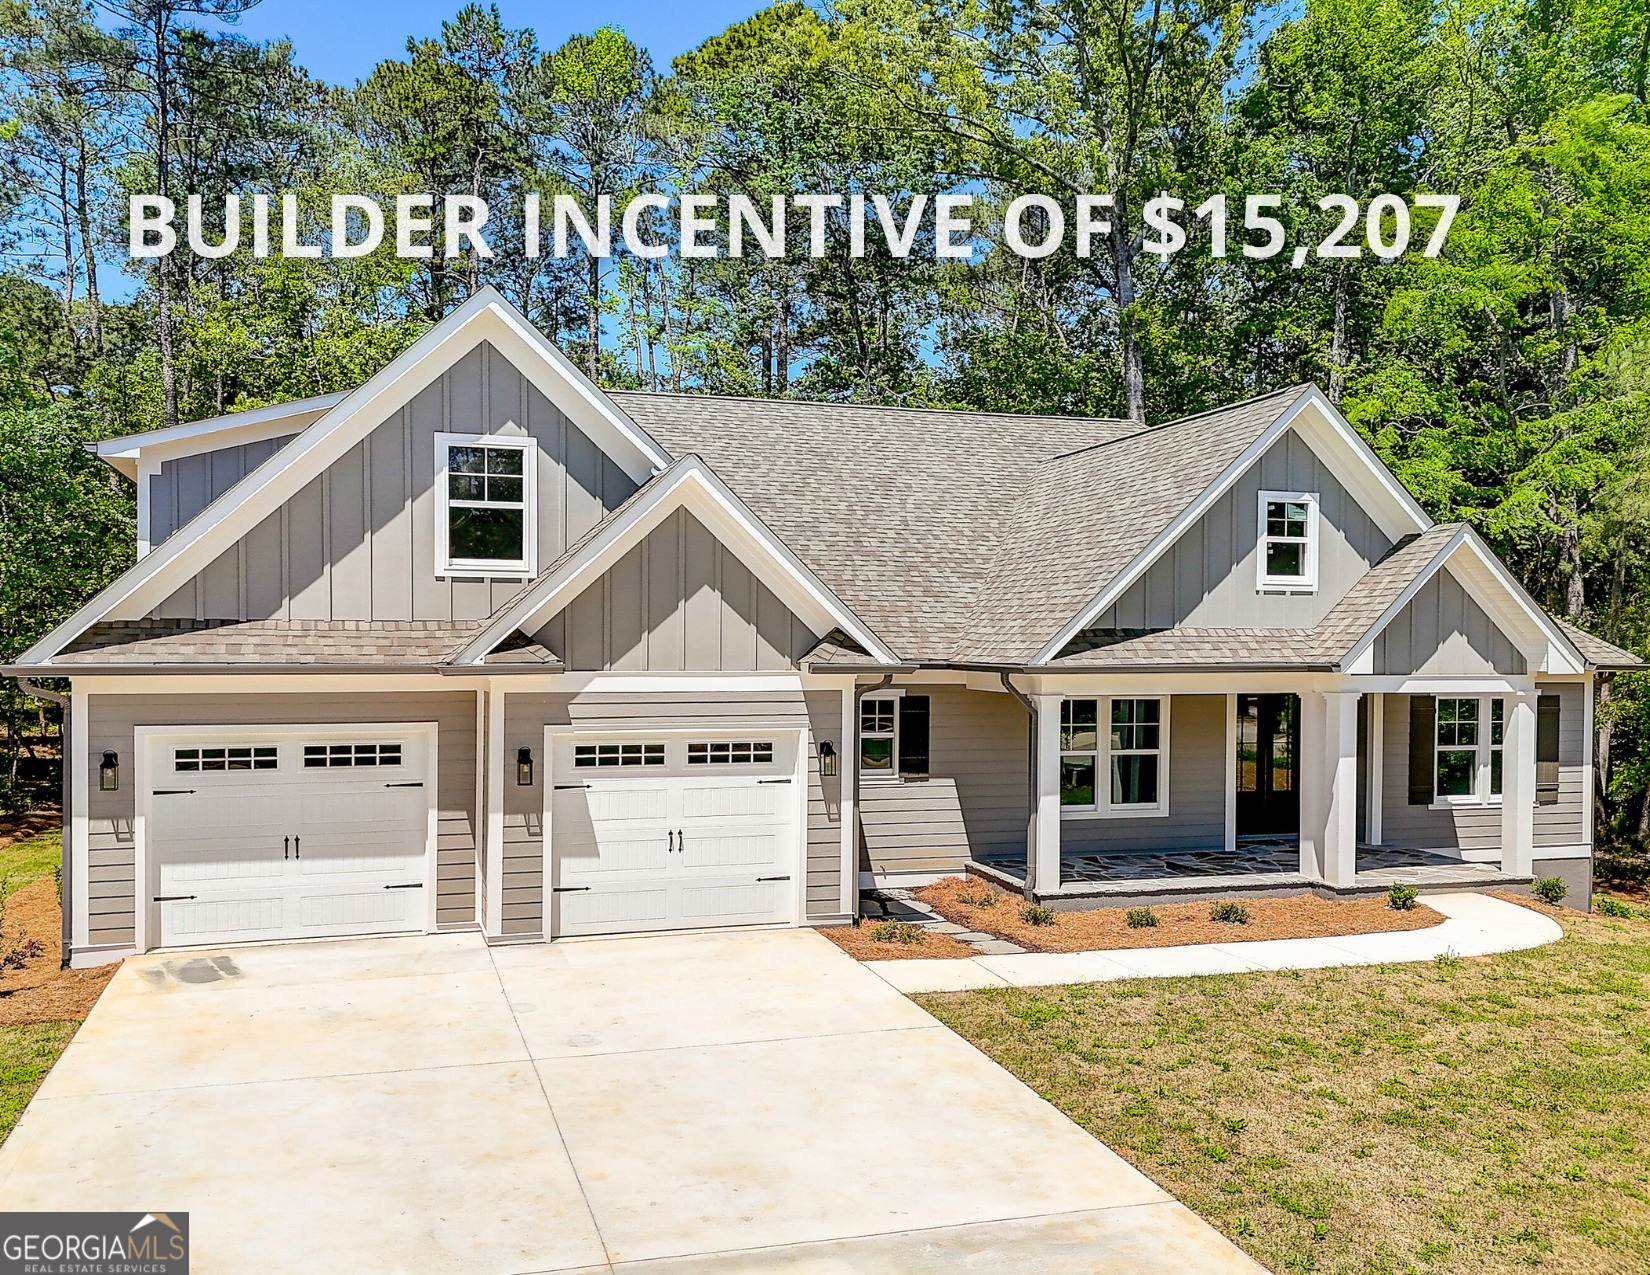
[
  {"x": 1471, "y": 731},
  {"x": 1112, "y": 756},
  {"x": 485, "y": 497},
  {"x": 1288, "y": 541}
]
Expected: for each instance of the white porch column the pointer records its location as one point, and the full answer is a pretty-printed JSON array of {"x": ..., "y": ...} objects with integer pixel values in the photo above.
[
  {"x": 1518, "y": 785},
  {"x": 493, "y": 820},
  {"x": 1045, "y": 855},
  {"x": 1329, "y": 785}
]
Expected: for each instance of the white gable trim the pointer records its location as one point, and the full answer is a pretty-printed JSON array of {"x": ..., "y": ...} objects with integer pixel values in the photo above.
[
  {"x": 131, "y": 451},
  {"x": 1342, "y": 451},
  {"x": 689, "y": 484},
  {"x": 486, "y": 316},
  {"x": 1488, "y": 582}
]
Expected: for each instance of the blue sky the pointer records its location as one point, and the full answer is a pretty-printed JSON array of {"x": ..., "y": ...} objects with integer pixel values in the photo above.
[{"x": 342, "y": 42}]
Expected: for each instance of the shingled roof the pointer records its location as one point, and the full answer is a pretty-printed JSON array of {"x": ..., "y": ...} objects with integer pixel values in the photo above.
[{"x": 270, "y": 643}]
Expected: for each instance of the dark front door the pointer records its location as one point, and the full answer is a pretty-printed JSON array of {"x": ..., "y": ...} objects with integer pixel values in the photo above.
[{"x": 1267, "y": 752}]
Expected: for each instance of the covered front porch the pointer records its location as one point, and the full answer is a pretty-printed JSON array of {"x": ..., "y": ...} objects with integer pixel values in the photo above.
[{"x": 1340, "y": 788}]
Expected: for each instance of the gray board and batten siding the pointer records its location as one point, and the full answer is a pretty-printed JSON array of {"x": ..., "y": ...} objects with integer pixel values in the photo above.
[
  {"x": 1443, "y": 631},
  {"x": 526, "y": 716},
  {"x": 188, "y": 484},
  {"x": 1207, "y": 578},
  {"x": 112, "y": 720},
  {"x": 1561, "y": 823},
  {"x": 358, "y": 543},
  {"x": 680, "y": 600}
]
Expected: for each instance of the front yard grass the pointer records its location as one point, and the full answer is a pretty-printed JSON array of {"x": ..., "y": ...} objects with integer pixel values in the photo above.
[
  {"x": 1480, "y": 1115},
  {"x": 27, "y": 1049}
]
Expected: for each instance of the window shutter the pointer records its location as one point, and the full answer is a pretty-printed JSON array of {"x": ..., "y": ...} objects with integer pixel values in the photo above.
[
  {"x": 1423, "y": 733},
  {"x": 1546, "y": 750},
  {"x": 913, "y": 735}
]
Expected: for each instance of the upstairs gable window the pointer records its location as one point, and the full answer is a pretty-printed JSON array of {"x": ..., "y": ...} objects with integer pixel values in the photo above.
[
  {"x": 485, "y": 493},
  {"x": 1288, "y": 541}
]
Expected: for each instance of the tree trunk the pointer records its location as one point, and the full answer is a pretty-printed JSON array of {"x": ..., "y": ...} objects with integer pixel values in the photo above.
[
  {"x": 1570, "y": 560},
  {"x": 163, "y": 265},
  {"x": 1122, "y": 261},
  {"x": 83, "y": 215},
  {"x": 1337, "y": 339},
  {"x": 782, "y": 344},
  {"x": 593, "y": 316}
]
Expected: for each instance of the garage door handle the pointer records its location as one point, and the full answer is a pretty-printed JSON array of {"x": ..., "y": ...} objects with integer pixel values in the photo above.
[
  {"x": 286, "y": 847},
  {"x": 172, "y": 792},
  {"x": 561, "y": 787},
  {"x": 416, "y": 885},
  {"x": 172, "y": 898},
  {"x": 773, "y": 878},
  {"x": 296, "y": 842},
  {"x": 418, "y": 784},
  {"x": 773, "y": 781},
  {"x": 567, "y": 889}
]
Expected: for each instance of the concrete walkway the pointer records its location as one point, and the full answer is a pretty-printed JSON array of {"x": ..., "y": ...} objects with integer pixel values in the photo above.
[
  {"x": 680, "y": 1105},
  {"x": 1477, "y": 925}
]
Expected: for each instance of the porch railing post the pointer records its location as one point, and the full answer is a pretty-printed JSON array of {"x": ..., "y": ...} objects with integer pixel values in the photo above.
[{"x": 1518, "y": 786}]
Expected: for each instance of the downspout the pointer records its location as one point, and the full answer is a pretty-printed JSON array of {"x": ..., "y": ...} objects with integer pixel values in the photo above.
[
  {"x": 1032, "y": 786},
  {"x": 34, "y": 690},
  {"x": 860, "y": 692}
]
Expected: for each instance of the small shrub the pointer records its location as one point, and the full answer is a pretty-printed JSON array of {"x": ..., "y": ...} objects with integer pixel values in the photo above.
[
  {"x": 1229, "y": 912},
  {"x": 1549, "y": 889},
  {"x": 24, "y": 951},
  {"x": 1604, "y": 905},
  {"x": 1036, "y": 914},
  {"x": 1141, "y": 918},
  {"x": 984, "y": 897},
  {"x": 897, "y": 932},
  {"x": 1401, "y": 898}
]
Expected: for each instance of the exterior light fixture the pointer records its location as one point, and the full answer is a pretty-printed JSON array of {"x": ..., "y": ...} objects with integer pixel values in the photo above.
[
  {"x": 827, "y": 758},
  {"x": 108, "y": 774},
  {"x": 524, "y": 767}
]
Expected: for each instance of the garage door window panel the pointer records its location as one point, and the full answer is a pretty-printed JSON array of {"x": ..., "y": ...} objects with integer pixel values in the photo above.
[
  {"x": 317, "y": 756},
  {"x": 748, "y": 753},
  {"x": 230, "y": 757}
]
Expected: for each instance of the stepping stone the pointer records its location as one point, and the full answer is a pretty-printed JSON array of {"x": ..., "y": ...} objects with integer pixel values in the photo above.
[
  {"x": 997, "y": 947},
  {"x": 944, "y": 927}
]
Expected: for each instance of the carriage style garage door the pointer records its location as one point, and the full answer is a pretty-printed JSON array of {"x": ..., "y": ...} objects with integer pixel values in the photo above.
[
  {"x": 282, "y": 835},
  {"x": 673, "y": 831}
]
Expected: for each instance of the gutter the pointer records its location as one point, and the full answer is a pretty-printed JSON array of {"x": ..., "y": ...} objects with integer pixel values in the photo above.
[
  {"x": 30, "y": 687},
  {"x": 1030, "y": 706}
]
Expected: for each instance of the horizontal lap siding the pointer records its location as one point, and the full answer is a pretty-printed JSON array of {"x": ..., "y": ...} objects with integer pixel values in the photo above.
[
  {"x": 112, "y": 720},
  {"x": 1196, "y": 819},
  {"x": 358, "y": 542},
  {"x": 1564, "y": 823},
  {"x": 526, "y": 716},
  {"x": 974, "y": 799},
  {"x": 1421, "y": 827}
]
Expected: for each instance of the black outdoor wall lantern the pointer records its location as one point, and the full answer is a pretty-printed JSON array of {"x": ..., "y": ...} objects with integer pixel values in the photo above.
[
  {"x": 827, "y": 758},
  {"x": 524, "y": 767},
  {"x": 108, "y": 774}
]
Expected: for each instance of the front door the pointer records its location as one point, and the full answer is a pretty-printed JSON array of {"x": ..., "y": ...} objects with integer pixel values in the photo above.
[{"x": 1267, "y": 752}]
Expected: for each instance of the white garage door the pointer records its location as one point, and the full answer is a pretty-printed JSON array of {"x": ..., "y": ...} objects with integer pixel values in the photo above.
[
  {"x": 673, "y": 831},
  {"x": 293, "y": 836}
]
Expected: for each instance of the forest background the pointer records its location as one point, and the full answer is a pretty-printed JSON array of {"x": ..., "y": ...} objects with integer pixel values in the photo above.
[{"x": 1506, "y": 381}]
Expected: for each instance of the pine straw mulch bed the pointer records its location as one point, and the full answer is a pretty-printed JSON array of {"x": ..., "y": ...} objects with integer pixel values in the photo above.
[
  {"x": 1300, "y": 917},
  {"x": 40, "y": 992},
  {"x": 856, "y": 940}
]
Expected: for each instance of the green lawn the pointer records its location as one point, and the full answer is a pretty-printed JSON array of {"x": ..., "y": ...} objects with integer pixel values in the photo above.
[
  {"x": 1473, "y": 1116},
  {"x": 26, "y": 861},
  {"x": 28, "y": 1052}
]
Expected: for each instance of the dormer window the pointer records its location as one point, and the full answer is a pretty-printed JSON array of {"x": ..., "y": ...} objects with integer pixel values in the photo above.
[
  {"x": 1288, "y": 542},
  {"x": 485, "y": 498}
]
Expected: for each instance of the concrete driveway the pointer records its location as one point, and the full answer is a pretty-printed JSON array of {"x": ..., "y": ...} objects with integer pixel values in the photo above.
[{"x": 727, "y": 1102}]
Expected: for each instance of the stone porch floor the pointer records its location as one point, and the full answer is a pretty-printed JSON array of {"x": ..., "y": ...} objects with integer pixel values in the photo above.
[{"x": 1253, "y": 855}]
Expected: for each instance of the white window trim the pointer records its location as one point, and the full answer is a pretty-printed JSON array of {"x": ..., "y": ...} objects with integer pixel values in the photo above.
[
  {"x": 526, "y": 567},
  {"x": 1307, "y": 583},
  {"x": 1480, "y": 797},
  {"x": 1104, "y": 809},
  {"x": 870, "y": 776}
]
